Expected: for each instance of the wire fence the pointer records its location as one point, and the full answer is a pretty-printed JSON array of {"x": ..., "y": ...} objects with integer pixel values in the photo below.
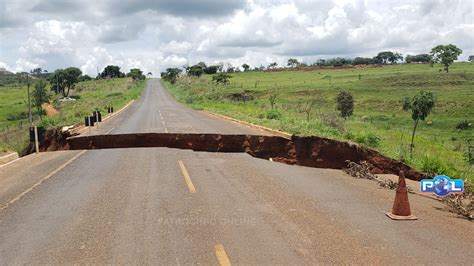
[{"x": 14, "y": 135}]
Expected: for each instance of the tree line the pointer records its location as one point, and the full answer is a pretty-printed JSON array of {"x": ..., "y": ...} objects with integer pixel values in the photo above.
[
  {"x": 63, "y": 81},
  {"x": 444, "y": 54}
]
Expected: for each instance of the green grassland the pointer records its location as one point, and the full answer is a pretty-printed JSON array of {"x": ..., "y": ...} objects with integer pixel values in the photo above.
[
  {"x": 90, "y": 96},
  {"x": 378, "y": 119}
]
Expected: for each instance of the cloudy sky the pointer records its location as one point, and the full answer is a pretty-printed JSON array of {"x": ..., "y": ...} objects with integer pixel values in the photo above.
[{"x": 156, "y": 34}]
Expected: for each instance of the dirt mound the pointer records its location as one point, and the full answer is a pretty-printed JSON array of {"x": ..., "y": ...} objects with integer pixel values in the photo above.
[{"x": 49, "y": 108}]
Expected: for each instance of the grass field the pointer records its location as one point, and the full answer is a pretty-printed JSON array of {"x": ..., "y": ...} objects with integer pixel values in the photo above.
[
  {"x": 378, "y": 119},
  {"x": 90, "y": 95}
]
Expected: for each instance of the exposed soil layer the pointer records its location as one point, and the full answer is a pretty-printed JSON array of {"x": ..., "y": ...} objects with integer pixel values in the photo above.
[
  {"x": 54, "y": 139},
  {"x": 49, "y": 108},
  {"x": 306, "y": 151}
]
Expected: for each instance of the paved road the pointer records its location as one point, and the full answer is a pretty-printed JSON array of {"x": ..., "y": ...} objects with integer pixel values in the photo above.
[{"x": 169, "y": 206}]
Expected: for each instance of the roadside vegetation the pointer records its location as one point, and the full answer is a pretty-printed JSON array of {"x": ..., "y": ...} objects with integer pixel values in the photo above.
[
  {"x": 61, "y": 98},
  {"x": 360, "y": 103}
]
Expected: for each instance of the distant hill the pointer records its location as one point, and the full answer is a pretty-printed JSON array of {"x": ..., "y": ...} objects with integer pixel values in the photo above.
[
  {"x": 3, "y": 71},
  {"x": 7, "y": 77}
]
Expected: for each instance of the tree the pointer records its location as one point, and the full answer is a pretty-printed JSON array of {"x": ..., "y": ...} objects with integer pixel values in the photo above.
[
  {"x": 136, "y": 74},
  {"x": 471, "y": 58},
  {"x": 196, "y": 70},
  {"x": 383, "y": 57},
  {"x": 71, "y": 77},
  {"x": 84, "y": 78},
  {"x": 320, "y": 62},
  {"x": 395, "y": 57},
  {"x": 308, "y": 108},
  {"x": 220, "y": 66},
  {"x": 445, "y": 54},
  {"x": 64, "y": 80},
  {"x": 362, "y": 61},
  {"x": 245, "y": 67},
  {"x": 273, "y": 65},
  {"x": 36, "y": 72},
  {"x": 420, "y": 106},
  {"x": 210, "y": 70},
  {"x": 112, "y": 71},
  {"x": 292, "y": 62},
  {"x": 345, "y": 103},
  {"x": 58, "y": 81},
  {"x": 221, "y": 78},
  {"x": 272, "y": 100},
  {"x": 202, "y": 65},
  {"x": 419, "y": 58},
  {"x": 171, "y": 74},
  {"x": 40, "y": 95}
]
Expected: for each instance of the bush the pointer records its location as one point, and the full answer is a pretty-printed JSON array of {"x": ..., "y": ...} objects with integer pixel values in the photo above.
[
  {"x": 273, "y": 114},
  {"x": 333, "y": 120},
  {"x": 221, "y": 78},
  {"x": 368, "y": 138},
  {"x": 190, "y": 100},
  {"x": 19, "y": 116},
  {"x": 433, "y": 166},
  {"x": 349, "y": 136},
  {"x": 114, "y": 94},
  {"x": 345, "y": 103},
  {"x": 463, "y": 125}
]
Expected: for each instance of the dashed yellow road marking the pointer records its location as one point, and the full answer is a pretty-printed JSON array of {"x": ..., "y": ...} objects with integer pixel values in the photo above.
[
  {"x": 191, "y": 187},
  {"x": 221, "y": 255}
]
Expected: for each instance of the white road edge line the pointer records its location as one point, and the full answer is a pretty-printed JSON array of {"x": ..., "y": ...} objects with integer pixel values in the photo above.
[
  {"x": 10, "y": 162},
  {"x": 6, "y": 205}
]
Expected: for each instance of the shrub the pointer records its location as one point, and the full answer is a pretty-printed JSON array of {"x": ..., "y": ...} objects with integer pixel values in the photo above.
[
  {"x": 433, "y": 166},
  {"x": 368, "y": 138},
  {"x": 114, "y": 94},
  {"x": 349, "y": 136},
  {"x": 19, "y": 116},
  {"x": 222, "y": 78},
  {"x": 273, "y": 114},
  {"x": 345, "y": 103},
  {"x": 463, "y": 125},
  {"x": 333, "y": 120}
]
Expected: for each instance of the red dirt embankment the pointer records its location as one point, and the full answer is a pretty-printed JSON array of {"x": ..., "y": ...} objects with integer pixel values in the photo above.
[
  {"x": 305, "y": 151},
  {"x": 54, "y": 139}
]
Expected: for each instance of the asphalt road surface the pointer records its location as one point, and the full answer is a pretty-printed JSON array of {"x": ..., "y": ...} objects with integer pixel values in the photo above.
[{"x": 170, "y": 206}]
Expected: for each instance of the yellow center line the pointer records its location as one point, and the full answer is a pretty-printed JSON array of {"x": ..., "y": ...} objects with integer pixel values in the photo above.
[
  {"x": 221, "y": 255},
  {"x": 187, "y": 177}
]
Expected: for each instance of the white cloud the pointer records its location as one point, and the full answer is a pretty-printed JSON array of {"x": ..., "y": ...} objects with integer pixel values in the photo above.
[
  {"x": 175, "y": 47},
  {"x": 153, "y": 37},
  {"x": 5, "y": 66},
  {"x": 24, "y": 65}
]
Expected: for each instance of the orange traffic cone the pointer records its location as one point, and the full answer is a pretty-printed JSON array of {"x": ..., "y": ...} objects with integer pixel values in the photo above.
[{"x": 401, "y": 206}]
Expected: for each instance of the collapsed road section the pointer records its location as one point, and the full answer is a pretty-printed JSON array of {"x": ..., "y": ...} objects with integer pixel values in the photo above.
[{"x": 305, "y": 151}]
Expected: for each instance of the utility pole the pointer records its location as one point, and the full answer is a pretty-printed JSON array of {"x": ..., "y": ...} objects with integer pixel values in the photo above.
[
  {"x": 57, "y": 84},
  {"x": 29, "y": 100}
]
